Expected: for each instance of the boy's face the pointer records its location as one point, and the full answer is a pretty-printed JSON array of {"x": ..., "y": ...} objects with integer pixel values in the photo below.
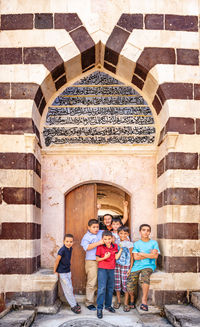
[
  {"x": 94, "y": 228},
  {"x": 123, "y": 235},
  {"x": 68, "y": 242},
  {"x": 145, "y": 232},
  {"x": 115, "y": 225},
  {"x": 107, "y": 240},
  {"x": 107, "y": 220}
]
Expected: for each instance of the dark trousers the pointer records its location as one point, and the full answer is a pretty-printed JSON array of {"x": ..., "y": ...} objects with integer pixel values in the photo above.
[{"x": 105, "y": 287}]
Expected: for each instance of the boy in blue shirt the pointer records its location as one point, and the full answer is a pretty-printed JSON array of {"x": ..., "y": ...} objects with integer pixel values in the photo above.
[
  {"x": 62, "y": 268},
  {"x": 89, "y": 242},
  {"x": 145, "y": 252}
]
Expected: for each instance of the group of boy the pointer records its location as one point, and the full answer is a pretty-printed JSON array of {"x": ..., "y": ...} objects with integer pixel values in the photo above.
[{"x": 112, "y": 262}]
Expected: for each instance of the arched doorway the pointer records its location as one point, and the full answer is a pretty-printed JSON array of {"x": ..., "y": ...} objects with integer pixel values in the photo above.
[{"x": 80, "y": 206}]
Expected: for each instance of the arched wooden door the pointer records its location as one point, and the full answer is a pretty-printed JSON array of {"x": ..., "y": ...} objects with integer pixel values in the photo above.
[{"x": 80, "y": 206}]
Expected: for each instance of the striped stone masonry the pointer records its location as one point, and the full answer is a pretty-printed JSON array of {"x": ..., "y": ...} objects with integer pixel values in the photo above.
[{"x": 153, "y": 50}]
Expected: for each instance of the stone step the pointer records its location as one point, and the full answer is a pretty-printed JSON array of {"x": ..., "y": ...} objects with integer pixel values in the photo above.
[
  {"x": 18, "y": 318},
  {"x": 154, "y": 320},
  {"x": 180, "y": 315},
  {"x": 195, "y": 299}
]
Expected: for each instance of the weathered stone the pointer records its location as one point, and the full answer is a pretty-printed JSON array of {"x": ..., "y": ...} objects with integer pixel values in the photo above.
[
  {"x": 182, "y": 316},
  {"x": 68, "y": 21},
  {"x": 24, "y": 231},
  {"x": 16, "y": 125},
  {"x": 196, "y": 91},
  {"x": 23, "y": 90},
  {"x": 163, "y": 297},
  {"x": 181, "y": 160},
  {"x": 181, "y": 23},
  {"x": 175, "y": 91},
  {"x": 153, "y": 56},
  {"x": 138, "y": 82},
  {"x": 154, "y": 21},
  {"x": 10, "y": 56},
  {"x": 88, "y": 57},
  {"x": 181, "y": 231},
  {"x": 21, "y": 266},
  {"x": 157, "y": 104},
  {"x": 82, "y": 39},
  {"x": 180, "y": 264},
  {"x": 43, "y": 21},
  {"x": 181, "y": 125},
  {"x": 187, "y": 57},
  {"x": 47, "y": 56},
  {"x": 115, "y": 43},
  {"x": 183, "y": 196},
  {"x": 131, "y": 21},
  {"x": 18, "y": 318},
  {"x": 18, "y": 21},
  {"x": 195, "y": 299}
]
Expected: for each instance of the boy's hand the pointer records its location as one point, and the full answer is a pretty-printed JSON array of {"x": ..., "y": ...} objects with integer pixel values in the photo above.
[
  {"x": 107, "y": 255},
  {"x": 101, "y": 242},
  {"x": 128, "y": 272}
]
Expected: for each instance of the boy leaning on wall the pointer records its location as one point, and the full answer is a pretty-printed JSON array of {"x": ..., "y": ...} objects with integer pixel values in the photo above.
[
  {"x": 145, "y": 252},
  {"x": 62, "y": 268}
]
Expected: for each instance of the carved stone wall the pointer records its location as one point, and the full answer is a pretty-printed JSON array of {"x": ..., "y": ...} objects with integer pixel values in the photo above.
[{"x": 99, "y": 109}]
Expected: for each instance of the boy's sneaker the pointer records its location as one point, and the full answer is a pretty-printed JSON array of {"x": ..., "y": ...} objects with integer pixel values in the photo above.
[
  {"x": 99, "y": 313},
  {"x": 91, "y": 307},
  {"x": 110, "y": 309}
]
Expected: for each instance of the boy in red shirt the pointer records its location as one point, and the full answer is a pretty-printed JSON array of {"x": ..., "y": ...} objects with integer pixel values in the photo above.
[{"x": 106, "y": 255}]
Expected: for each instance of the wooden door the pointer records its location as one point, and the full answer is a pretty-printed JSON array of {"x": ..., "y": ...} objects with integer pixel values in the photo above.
[{"x": 80, "y": 206}]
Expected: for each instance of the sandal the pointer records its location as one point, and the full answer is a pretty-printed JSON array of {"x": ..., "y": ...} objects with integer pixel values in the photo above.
[
  {"x": 117, "y": 305},
  {"x": 144, "y": 307},
  {"x": 126, "y": 308},
  {"x": 76, "y": 309},
  {"x": 78, "y": 306},
  {"x": 132, "y": 305}
]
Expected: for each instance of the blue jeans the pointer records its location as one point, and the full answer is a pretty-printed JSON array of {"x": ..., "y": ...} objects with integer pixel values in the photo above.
[{"x": 105, "y": 287}]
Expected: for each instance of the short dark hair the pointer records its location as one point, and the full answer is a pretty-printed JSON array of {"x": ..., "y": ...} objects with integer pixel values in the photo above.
[
  {"x": 124, "y": 228},
  {"x": 107, "y": 233},
  {"x": 92, "y": 222},
  {"x": 107, "y": 214},
  {"x": 68, "y": 235},
  {"x": 144, "y": 225},
  {"x": 117, "y": 219}
]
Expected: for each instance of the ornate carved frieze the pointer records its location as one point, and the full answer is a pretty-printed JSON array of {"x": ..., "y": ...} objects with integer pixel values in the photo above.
[{"x": 99, "y": 109}]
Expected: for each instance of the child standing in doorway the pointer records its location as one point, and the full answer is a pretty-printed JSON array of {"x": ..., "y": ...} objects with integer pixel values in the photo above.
[
  {"x": 108, "y": 218},
  {"x": 106, "y": 255},
  {"x": 116, "y": 223},
  {"x": 62, "y": 268}
]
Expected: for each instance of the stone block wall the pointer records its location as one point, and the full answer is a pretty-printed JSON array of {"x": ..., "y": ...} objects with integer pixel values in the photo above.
[{"x": 151, "y": 45}]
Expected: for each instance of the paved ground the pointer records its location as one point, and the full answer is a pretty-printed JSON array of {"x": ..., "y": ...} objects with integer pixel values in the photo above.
[{"x": 118, "y": 319}]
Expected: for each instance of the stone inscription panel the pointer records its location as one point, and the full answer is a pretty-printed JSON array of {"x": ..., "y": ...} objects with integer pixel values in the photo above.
[{"x": 99, "y": 109}]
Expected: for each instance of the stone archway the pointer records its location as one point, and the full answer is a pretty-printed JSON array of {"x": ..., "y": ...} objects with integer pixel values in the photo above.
[{"x": 94, "y": 117}]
